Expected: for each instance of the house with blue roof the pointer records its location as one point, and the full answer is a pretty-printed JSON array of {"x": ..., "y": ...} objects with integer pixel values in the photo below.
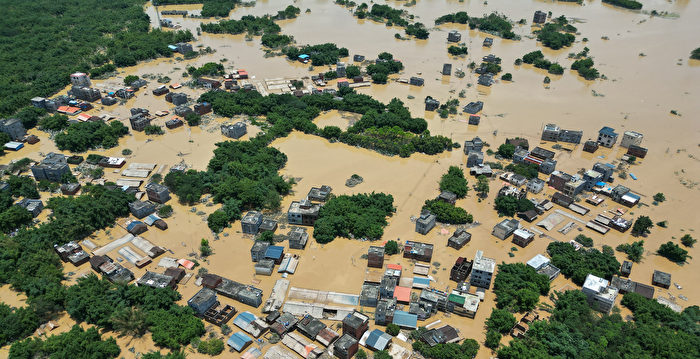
[
  {"x": 275, "y": 253},
  {"x": 378, "y": 340},
  {"x": 304, "y": 58},
  {"x": 607, "y": 137},
  {"x": 405, "y": 320},
  {"x": 239, "y": 341}
]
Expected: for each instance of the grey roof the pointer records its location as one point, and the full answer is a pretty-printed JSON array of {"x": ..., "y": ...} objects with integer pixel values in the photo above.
[{"x": 378, "y": 340}]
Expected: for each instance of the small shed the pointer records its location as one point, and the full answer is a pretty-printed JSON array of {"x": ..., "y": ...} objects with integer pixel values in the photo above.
[{"x": 239, "y": 341}]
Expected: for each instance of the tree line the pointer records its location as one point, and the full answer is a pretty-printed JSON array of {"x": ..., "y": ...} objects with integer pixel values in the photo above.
[
  {"x": 40, "y": 52},
  {"x": 357, "y": 216}
]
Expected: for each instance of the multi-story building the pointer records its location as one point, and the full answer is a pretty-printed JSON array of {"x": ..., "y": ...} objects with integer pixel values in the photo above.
[
  {"x": 482, "y": 270},
  {"x": 52, "y": 168},
  {"x": 599, "y": 294}
]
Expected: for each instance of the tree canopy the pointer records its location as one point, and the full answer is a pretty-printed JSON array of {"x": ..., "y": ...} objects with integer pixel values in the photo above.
[
  {"x": 359, "y": 216},
  {"x": 518, "y": 287},
  {"x": 578, "y": 264},
  {"x": 454, "y": 181}
]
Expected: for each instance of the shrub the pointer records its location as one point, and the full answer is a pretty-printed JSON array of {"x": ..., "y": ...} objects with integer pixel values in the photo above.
[
  {"x": 673, "y": 252},
  {"x": 393, "y": 329},
  {"x": 391, "y": 247},
  {"x": 507, "y": 77},
  {"x": 688, "y": 241},
  {"x": 633, "y": 250}
]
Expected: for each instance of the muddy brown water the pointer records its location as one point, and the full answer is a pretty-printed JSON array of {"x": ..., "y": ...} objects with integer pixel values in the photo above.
[{"x": 638, "y": 94}]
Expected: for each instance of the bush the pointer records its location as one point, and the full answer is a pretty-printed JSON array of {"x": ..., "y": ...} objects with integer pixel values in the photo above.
[
  {"x": 528, "y": 170},
  {"x": 585, "y": 68},
  {"x": 493, "y": 339},
  {"x": 550, "y": 37},
  {"x": 518, "y": 288},
  {"x": 165, "y": 211},
  {"x": 659, "y": 197},
  {"x": 507, "y": 77},
  {"x": 509, "y": 205},
  {"x": 128, "y": 80},
  {"x": 627, "y": 4},
  {"x": 217, "y": 221},
  {"x": 506, "y": 150},
  {"x": 673, "y": 252},
  {"x": 695, "y": 54},
  {"x": 457, "y": 50},
  {"x": 393, "y": 329},
  {"x": 193, "y": 119},
  {"x": 153, "y": 130},
  {"x": 212, "y": 346}
]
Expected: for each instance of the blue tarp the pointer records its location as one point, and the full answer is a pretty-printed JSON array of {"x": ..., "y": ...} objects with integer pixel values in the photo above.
[
  {"x": 633, "y": 176},
  {"x": 172, "y": 47},
  {"x": 600, "y": 184},
  {"x": 239, "y": 341},
  {"x": 304, "y": 56}
]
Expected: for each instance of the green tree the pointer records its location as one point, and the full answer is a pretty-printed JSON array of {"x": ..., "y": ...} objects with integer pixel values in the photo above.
[
  {"x": 165, "y": 211},
  {"x": 507, "y": 77},
  {"x": 584, "y": 241},
  {"x": 128, "y": 80},
  {"x": 482, "y": 186},
  {"x": 634, "y": 250},
  {"x": 454, "y": 181},
  {"x": 14, "y": 217},
  {"x": 391, "y": 247},
  {"x": 500, "y": 320},
  {"x": 212, "y": 346},
  {"x": 217, "y": 221},
  {"x": 688, "y": 240},
  {"x": 361, "y": 354},
  {"x": 129, "y": 322},
  {"x": 204, "y": 248},
  {"x": 266, "y": 236},
  {"x": 642, "y": 225},
  {"x": 673, "y": 252},
  {"x": 447, "y": 213},
  {"x": 382, "y": 354},
  {"x": 493, "y": 339},
  {"x": 193, "y": 119},
  {"x": 659, "y": 197},
  {"x": 393, "y": 329}
]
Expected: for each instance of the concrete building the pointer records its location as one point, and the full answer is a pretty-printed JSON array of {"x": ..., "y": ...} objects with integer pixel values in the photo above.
[
  {"x": 631, "y": 138},
  {"x": 482, "y": 270},
  {"x": 34, "y": 206},
  {"x": 523, "y": 237},
  {"x": 606, "y": 170},
  {"x": 599, "y": 294},
  {"x": 183, "y": 47},
  {"x": 250, "y": 223},
  {"x": 375, "y": 257},
  {"x": 141, "y": 209},
  {"x": 535, "y": 185},
  {"x": 454, "y": 36},
  {"x": 369, "y": 296},
  {"x": 303, "y": 212},
  {"x": 574, "y": 187},
  {"x": 235, "y": 131},
  {"x": 80, "y": 79},
  {"x": 157, "y": 192},
  {"x": 298, "y": 237},
  {"x": 85, "y": 93},
  {"x": 475, "y": 158},
  {"x": 473, "y": 145},
  {"x": 319, "y": 194},
  {"x": 461, "y": 269},
  {"x": 543, "y": 265},
  {"x": 459, "y": 238},
  {"x": 345, "y": 347},
  {"x": 13, "y": 127},
  {"x": 355, "y": 324},
  {"x": 550, "y": 132},
  {"x": 418, "y": 251},
  {"x": 257, "y": 252},
  {"x": 425, "y": 222},
  {"x": 505, "y": 228},
  {"x": 590, "y": 146},
  {"x": 540, "y": 17},
  {"x": 607, "y": 137},
  {"x": 156, "y": 280},
  {"x": 416, "y": 81},
  {"x": 474, "y": 107},
  {"x": 661, "y": 279},
  {"x": 592, "y": 177},
  {"x": 447, "y": 69},
  {"x": 52, "y": 168}
]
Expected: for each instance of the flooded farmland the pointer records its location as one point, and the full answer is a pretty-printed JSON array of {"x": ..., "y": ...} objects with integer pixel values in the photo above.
[{"x": 647, "y": 75}]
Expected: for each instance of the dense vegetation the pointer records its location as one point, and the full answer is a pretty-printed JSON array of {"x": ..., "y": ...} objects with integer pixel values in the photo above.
[
  {"x": 673, "y": 252},
  {"x": 466, "y": 350},
  {"x": 527, "y": 170},
  {"x": 557, "y": 34},
  {"x": 536, "y": 58},
  {"x": 208, "y": 69},
  {"x": 634, "y": 250},
  {"x": 388, "y": 129},
  {"x": 210, "y": 8},
  {"x": 385, "y": 13},
  {"x": 585, "y": 68},
  {"x": 447, "y": 213},
  {"x": 574, "y": 331},
  {"x": 510, "y": 205},
  {"x": 100, "y": 302},
  {"x": 642, "y": 225},
  {"x": 454, "y": 181},
  {"x": 323, "y": 54},
  {"x": 457, "y": 50},
  {"x": 578, "y": 264},
  {"x": 77, "y": 343},
  {"x": 695, "y": 54},
  {"x": 357, "y": 216},
  {"x": 83, "y": 136},
  {"x": 518, "y": 287},
  {"x": 627, "y": 4},
  {"x": 381, "y": 70},
  {"x": 38, "y": 53},
  {"x": 584, "y": 241},
  {"x": 29, "y": 263},
  {"x": 688, "y": 240},
  {"x": 493, "y": 23},
  {"x": 256, "y": 26}
]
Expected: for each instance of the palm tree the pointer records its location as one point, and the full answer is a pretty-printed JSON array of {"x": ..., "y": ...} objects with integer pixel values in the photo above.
[{"x": 129, "y": 321}]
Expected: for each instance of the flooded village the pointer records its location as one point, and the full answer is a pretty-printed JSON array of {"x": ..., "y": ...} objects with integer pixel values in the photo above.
[{"x": 547, "y": 157}]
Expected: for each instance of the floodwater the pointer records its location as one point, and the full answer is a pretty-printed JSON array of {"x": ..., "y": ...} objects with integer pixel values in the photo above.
[{"x": 638, "y": 94}]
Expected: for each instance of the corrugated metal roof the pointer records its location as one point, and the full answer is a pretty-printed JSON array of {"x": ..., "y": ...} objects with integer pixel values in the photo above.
[
  {"x": 274, "y": 252},
  {"x": 239, "y": 341},
  {"x": 244, "y": 319},
  {"x": 378, "y": 340},
  {"x": 405, "y": 319}
]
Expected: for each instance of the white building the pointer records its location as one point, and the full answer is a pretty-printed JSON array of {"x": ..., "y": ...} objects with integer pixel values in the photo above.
[
  {"x": 600, "y": 295},
  {"x": 630, "y": 138},
  {"x": 482, "y": 270}
]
